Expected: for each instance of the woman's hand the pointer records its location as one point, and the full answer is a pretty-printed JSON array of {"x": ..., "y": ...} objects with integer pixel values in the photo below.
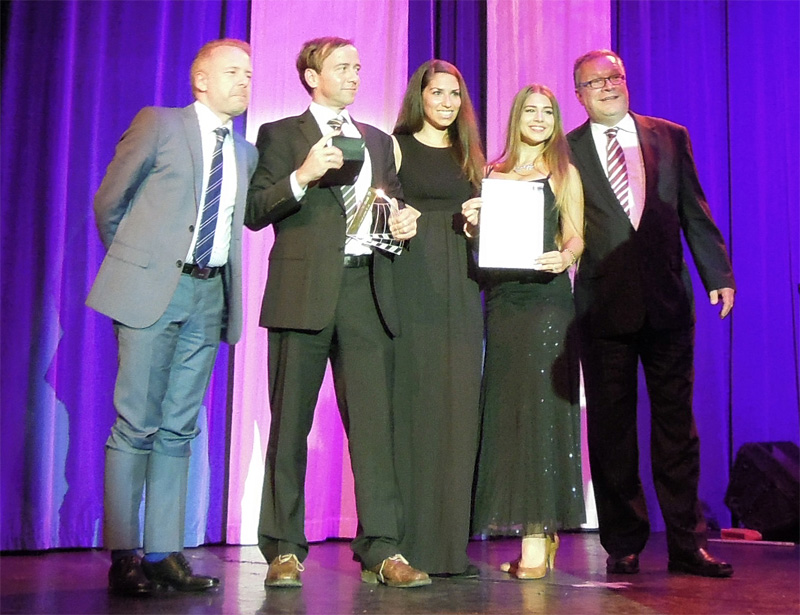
[
  {"x": 471, "y": 210},
  {"x": 554, "y": 262}
]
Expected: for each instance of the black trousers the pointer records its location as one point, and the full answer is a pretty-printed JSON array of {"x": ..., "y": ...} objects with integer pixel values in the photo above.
[
  {"x": 610, "y": 367},
  {"x": 361, "y": 356}
]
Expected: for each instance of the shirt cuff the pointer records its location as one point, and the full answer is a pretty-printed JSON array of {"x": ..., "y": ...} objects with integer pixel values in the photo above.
[{"x": 297, "y": 191}]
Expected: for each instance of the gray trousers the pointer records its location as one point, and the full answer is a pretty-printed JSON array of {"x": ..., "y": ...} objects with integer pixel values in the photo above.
[{"x": 163, "y": 375}]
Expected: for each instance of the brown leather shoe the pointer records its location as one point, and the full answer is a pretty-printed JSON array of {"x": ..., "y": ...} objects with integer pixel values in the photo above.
[
  {"x": 395, "y": 571},
  {"x": 284, "y": 571}
]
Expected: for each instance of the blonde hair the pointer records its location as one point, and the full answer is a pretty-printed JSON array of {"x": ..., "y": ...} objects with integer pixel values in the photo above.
[
  {"x": 556, "y": 154},
  {"x": 206, "y": 50}
]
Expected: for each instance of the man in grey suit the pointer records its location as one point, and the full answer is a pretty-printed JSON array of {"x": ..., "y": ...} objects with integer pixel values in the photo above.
[
  {"x": 169, "y": 211},
  {"x": 634, "y": 302},
  {"x": 329, "y": 294}
]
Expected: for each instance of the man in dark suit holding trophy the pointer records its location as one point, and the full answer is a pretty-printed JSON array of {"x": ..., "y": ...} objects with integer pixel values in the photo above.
[{"x": 329, "y": 294}]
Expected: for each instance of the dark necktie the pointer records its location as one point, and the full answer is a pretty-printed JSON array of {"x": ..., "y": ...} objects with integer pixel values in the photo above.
[
  {"x": 348, "y": 192},
  {"x": 208, "y": 222},
  {"x": 617, "y": 170}
]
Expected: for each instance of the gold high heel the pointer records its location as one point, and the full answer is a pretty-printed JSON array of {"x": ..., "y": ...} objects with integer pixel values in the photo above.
[
  {"x": 534, "y": 572},
  {"x": 552, "y": 542}
]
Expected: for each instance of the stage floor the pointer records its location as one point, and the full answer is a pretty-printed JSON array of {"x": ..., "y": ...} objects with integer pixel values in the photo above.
[{"x": 766, "y": 580}]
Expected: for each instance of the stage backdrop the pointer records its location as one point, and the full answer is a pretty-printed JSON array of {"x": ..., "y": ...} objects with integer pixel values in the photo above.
[{"x": 74, "y": 74}]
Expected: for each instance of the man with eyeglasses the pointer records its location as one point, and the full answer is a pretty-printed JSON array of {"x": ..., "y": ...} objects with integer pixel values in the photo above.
[{"x": 634, "y": 302}]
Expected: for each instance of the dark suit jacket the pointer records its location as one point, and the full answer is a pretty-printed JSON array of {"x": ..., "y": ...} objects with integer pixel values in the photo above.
[
  {"x": 628, "y": 275},
  {"x": 305, "y": 265},
  {"x": 146, "y": 209}
]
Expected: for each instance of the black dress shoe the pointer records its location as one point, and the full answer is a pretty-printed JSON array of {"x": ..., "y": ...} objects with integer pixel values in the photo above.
[
  {"x": 174, "y": 571},
  {"x": 700, "y": 563},
  {"x": 625, "y": 564},
  {"x": 126, "y": 577}
]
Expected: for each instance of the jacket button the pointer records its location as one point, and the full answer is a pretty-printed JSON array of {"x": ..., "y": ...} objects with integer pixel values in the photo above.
[
  {"x": 179, "y": 264},
  {"x": 191, "y": 228}
]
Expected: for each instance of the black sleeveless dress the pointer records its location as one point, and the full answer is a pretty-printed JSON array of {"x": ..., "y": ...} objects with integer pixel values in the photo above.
[
  {"x": 529, "y": 465},
  {"x": 438, "y": 364}
]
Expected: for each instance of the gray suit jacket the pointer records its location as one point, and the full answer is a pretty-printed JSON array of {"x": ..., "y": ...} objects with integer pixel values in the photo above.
[{"x": 146, "y": 209}]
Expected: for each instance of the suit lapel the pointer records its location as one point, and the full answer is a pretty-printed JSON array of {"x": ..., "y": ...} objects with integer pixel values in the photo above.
[
  {"x": 648, "y": 147},
  {"x": 192, "y": 126}
]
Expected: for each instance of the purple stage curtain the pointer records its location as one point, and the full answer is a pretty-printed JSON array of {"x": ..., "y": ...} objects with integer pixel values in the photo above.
[
  {"x": 74, "y": 75},
  {"x": 723, "y": 69}
]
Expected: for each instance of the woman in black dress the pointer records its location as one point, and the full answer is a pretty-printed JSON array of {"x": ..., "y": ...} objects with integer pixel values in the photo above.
[
  {"x": 439, "y": 350},
  {"x": 529, "y": 471}
]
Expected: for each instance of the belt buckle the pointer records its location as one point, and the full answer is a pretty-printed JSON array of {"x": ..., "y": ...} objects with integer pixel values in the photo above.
[{"x": 201, "y": 274}]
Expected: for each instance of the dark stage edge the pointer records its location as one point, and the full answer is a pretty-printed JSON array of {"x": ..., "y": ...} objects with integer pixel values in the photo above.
[{"x": 766, "y": 580}]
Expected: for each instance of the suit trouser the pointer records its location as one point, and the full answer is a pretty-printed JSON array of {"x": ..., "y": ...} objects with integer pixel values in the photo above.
[
  {"x": 164, "y": 371},
  {"x": 361, "y": 356},
  {"x": 610, "y": 368}
]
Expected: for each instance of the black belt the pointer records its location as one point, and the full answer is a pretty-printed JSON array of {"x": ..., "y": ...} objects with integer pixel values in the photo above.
[
  {"x": 357, "y": 260},
  {"x": 199, "y": 272}
]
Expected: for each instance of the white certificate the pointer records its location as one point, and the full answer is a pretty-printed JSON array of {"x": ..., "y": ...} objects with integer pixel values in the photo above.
[{"x": 512, "y": 224}]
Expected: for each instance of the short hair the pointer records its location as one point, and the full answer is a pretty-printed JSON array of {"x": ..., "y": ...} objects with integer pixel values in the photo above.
[
  {"x": 463, "y": 132},
  {"x": 314, "y": 53},
  {"x": 206, "y": 50},
  {"x": 591, "y": 55}
]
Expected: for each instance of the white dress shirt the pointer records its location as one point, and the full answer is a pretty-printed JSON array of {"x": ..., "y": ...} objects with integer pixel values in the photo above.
[
  {"x": 629, "y": 142},
  {"x": 322, "y": 115},
  {"x": 222, "y": 235}
]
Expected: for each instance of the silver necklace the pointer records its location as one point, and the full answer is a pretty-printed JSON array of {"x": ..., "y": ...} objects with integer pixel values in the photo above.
[{"x": 525, "y": 167}]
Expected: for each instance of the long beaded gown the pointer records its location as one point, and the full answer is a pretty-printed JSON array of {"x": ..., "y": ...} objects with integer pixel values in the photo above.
[
  {"x": 438, "y": 364},
  {"x": 529, "y": 467}
]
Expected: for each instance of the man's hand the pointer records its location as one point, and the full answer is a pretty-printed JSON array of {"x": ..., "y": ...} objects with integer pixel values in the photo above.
[
  {"x": 320, "y": 159},
  {"x": 402, "y": 222},
  {"x": 726, "y": 294}
]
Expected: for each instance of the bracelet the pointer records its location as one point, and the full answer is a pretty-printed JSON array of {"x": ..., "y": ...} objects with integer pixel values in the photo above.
[{"x": 574, "y": 258}]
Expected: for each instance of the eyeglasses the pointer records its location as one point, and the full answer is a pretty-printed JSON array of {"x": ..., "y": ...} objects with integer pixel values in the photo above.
[{"x": 600, "y": 82}]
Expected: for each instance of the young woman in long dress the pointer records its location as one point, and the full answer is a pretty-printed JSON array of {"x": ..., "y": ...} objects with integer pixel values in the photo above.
[{"x": 529, "y": 471}]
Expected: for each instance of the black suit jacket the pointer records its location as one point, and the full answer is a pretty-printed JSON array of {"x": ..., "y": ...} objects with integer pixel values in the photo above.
[
  {"x": 305, "y": 265},
  {"x": 627, "y": 275}
]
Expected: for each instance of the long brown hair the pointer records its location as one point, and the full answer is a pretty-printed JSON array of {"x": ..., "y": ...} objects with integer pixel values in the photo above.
[
  {"x": 463, "y": 133},
  {"x": 556, "y": 153}
]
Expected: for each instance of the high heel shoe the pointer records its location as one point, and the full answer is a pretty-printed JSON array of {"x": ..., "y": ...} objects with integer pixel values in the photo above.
[
  {"x": 552, "y": 542},
  {"x": 534, "y": 547}
]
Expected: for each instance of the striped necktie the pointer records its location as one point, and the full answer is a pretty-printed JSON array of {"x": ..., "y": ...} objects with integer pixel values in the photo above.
[
  {"x": 348, "y": 192},
  {"x": 617, "y": 170},
  {"x": 208, "y": 222}
]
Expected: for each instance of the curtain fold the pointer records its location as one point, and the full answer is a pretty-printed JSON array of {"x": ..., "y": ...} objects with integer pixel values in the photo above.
[{"x": 74, "y": 75}]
